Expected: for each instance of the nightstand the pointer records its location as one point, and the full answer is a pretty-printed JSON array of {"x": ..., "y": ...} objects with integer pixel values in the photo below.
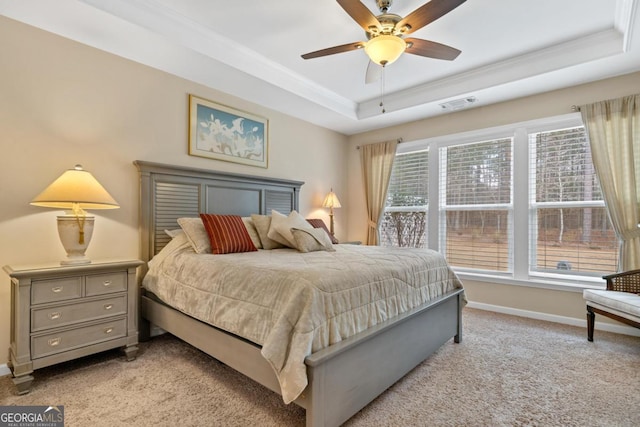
[{"x": 59, "y": 313}]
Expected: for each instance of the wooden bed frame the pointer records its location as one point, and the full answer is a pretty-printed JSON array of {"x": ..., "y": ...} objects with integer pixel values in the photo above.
[{"x": 344, "y": 377}]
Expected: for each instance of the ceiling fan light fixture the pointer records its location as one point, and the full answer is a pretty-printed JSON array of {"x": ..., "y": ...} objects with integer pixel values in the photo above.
[{"x": 385, "y": 49}]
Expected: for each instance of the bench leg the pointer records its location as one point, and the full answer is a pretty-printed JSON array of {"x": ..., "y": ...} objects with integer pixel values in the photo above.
[{"x": 591, "y": 320}]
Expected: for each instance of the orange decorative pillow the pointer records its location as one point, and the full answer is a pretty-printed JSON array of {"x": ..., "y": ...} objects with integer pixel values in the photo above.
[
  {"x": 319, "y": 223},
  {"x": 227, "y": 233}
]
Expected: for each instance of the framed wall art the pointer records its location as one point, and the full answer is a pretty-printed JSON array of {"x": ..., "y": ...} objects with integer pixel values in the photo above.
[{"x": 224, "y": 133}]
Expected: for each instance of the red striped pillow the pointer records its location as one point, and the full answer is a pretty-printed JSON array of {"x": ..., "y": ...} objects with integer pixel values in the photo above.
[{"x": 227, "y": 233}]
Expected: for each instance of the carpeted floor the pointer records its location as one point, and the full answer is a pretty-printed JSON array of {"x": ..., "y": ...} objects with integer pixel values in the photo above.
[{"x": 508, "y": 371}]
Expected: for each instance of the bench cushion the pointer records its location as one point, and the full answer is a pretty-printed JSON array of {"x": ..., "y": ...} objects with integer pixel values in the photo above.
[{"x": 625, "y": 303}]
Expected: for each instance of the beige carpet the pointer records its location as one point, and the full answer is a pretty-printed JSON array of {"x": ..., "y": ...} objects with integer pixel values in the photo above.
[{"x": 508, "y": 371}]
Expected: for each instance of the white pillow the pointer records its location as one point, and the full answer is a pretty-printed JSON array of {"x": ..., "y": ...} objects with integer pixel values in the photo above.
[
  {"x": 312, "y": 240},
  {"x": 262, "y": 223},
  {"x": 173, "y": 233},
  {"x": 253, "y": 232},
  {"x": 197, "y": 234},
  {"x": 280, "y": 229}
]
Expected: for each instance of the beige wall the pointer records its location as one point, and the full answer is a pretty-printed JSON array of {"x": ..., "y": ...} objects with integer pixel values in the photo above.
[
  {"x": 63, "y": 103},
  {"x": 520, "y": 298}
]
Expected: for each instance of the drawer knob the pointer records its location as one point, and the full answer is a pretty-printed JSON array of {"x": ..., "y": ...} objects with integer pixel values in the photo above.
[
  {"x": 108, "y": 330},
  {"x": 107, "y": 283},
  {"x": 55, "y": 315},
  {"x": 108, "y": 306},
  {"x": 54, "y": 341},
  {"x": 57, "y": 289}
]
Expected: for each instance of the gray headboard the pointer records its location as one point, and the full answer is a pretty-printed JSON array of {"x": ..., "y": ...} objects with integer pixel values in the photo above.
[{"x": 171, "y": 192}]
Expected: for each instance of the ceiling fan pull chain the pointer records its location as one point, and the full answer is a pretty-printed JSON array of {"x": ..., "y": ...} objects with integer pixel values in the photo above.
[{"x": 382, "y": 90}]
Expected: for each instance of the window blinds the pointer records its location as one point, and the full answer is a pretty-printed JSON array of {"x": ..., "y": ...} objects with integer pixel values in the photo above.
[
  {"x": 545, "y": 218},
  {"x": 476, "y": 190},
  {"x": 570, "y": 231},
  {"x": 409, "y": 184},
  {"x": 405, "y": 217}
]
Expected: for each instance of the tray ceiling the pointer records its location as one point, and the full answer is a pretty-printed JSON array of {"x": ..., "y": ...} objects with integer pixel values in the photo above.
[{"x": 252, "y": 49}]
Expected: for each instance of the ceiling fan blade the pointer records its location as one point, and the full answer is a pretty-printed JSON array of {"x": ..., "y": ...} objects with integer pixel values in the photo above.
[
  {"x": 431, "y": 49},
  {"x": 333, "y": 50},
  {"x": 361, "y": 14},
  {"x": 374, "y": 72},
  {"x": 426, "y": 14}
]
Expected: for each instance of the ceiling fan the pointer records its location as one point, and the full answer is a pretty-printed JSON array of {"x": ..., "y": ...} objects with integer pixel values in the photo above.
[{"x": 385, "y": 32}]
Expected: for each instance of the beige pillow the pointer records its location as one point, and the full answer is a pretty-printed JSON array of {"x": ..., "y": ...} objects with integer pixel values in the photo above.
[
  {"x": 196, "y": 234},
  {"x": 311, "y": 240},
  {"x": 253, "y": 233},
  {"x": 262, "y": 224},
  {"x": 280, "y": 229},
  {"x": 173, "y": 233}
]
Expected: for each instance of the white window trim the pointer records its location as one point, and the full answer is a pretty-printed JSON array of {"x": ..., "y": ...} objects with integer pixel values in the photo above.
[
  {"x": 520, "y": 133},
  {"x": 536, "y": 282}
]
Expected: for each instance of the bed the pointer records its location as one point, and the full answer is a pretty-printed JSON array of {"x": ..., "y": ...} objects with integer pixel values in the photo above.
[{"x": 341, "y": 378}]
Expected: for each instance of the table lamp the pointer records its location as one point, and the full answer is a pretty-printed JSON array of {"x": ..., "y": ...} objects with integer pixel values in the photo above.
[
  {"x": 331, "y": 201},
  {"x": 75, "y": 190}
]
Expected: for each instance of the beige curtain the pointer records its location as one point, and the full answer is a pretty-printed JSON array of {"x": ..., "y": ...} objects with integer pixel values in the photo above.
[
  {"x": 614, "y": 131},
  {"x": 376, "y": 160}
]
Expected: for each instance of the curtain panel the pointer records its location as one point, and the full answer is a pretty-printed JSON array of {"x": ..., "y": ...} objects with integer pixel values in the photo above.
[
  {"x": 377, "y": 161},
  {"x": 613, "y": 127}
]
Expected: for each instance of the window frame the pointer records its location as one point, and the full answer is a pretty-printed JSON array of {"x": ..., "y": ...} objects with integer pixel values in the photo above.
[{"x": 521, "y": 207}]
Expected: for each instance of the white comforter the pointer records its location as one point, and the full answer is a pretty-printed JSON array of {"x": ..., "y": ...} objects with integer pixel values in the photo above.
[{"x": 294, "y": 304}]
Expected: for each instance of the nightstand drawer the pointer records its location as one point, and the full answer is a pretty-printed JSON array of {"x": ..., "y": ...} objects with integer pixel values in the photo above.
[
  {"x": 69, "y": 314},
  {"x": 106, "y": 283},
  {"x": 46, "y": 345},
  {"x": 52, "y": 290}
]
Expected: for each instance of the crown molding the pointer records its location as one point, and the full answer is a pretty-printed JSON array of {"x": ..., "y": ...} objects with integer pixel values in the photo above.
[{"x": 625, "y": 11}]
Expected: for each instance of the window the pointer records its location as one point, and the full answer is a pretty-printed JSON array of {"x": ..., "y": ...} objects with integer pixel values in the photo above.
[
  {"x": 519, "y": 201},
  {"x": 404, "y": 222},
  {"x": 476, "y": 207},
  {"x": 570, "y": 229}
]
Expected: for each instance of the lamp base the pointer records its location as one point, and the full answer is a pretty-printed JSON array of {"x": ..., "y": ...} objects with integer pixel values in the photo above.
[
  {"x": 331, "y": 223},
  {"x": 75, "y": 234},
  {"x": 76, "y": 261}
]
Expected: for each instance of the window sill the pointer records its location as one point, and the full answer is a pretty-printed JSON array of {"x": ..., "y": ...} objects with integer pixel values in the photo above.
[{"x": 537, "y": 282}]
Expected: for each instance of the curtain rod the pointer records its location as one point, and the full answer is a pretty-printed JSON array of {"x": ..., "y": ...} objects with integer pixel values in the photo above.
[{"x": 400, "y": 141}]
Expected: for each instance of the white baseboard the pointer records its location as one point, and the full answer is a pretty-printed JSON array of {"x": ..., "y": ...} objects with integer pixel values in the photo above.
[
  {"x": 618, "y": 329},
  {"x": 4, "y": 370}
]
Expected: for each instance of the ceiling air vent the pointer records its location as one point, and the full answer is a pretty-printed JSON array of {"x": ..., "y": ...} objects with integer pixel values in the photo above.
[{"x": 458, "y": 104}]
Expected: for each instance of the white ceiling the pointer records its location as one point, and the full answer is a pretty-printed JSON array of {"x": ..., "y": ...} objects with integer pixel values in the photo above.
[{"x": 251, "y": 49}]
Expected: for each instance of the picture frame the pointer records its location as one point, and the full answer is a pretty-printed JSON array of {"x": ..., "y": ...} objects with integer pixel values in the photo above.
[{"x": 220, "y": 132}]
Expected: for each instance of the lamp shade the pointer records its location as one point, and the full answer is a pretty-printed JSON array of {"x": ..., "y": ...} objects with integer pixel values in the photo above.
[
  {"x": 331, "y": 201},
  {"x": 385, "y": 49},
  {"x": 75, "y": 187},
  {"x": 74, "y": 191}
]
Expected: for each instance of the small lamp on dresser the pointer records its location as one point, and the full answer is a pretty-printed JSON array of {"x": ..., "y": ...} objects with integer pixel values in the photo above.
[
  {"x": 74, "y": 191},
  {"x": 331, "y": 201}
]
